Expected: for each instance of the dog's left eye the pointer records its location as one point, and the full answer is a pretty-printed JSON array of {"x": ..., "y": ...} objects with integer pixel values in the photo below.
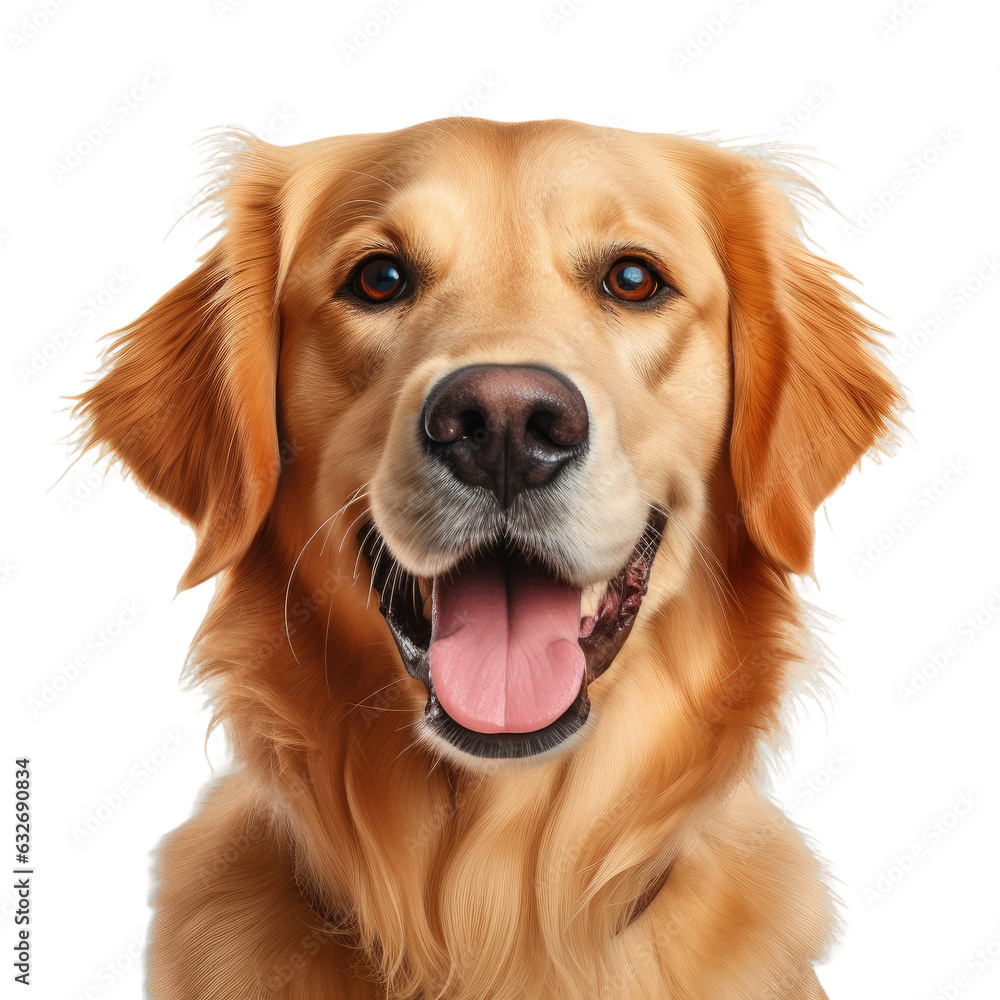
[
  {"x": 631, "y": 280},
  {"x": 379, "y": 279}
]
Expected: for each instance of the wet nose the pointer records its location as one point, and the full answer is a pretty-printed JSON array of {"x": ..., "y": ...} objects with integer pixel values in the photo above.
[{"x": 505, "y": 427}]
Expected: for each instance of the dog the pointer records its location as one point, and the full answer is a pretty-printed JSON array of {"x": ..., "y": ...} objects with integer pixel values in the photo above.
[{"x": 504, "y": 442}]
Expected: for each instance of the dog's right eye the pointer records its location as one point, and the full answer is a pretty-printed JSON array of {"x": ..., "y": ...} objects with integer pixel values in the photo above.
[
  {"x": 632, "y": 280},
  {"x": 379, "y": 279}
]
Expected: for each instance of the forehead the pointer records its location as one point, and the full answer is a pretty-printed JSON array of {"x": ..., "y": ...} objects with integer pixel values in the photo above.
[{"x": 498, "y": 188}]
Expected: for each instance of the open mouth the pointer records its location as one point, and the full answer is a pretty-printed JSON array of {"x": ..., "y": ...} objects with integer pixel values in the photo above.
[{"x": 505, "y": 648}]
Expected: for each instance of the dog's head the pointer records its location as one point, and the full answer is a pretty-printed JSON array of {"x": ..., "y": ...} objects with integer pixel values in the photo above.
[{"x": 495, "y": 371}]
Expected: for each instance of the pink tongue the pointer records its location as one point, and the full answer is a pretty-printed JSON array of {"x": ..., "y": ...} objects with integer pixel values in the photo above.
[{"x": 505, "y": 656}]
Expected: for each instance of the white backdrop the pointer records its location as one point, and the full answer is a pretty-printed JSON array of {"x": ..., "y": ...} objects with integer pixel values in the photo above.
[{"x": 895, "y": 777}]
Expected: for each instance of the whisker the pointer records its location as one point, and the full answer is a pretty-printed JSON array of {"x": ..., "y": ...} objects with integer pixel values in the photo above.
[
  {"x": 704, "y": 551},
  {"x": 361, "y": 546},
  {"x": 291, "y": 576},
  {"x": 377, "y": 691},
  {"x": 724, "y": 581},
  {"x": 359, "y": 494},
  {"x": 374, "y": 708},
  {"x": 375, "y": 565},
  {"x": 720, "y": 586},
  {"x": 390, "y": 585},
  {"x": 409, "y": 746},
  {"x": 367, "y": 510},
  {"x": 326, "y": 651}
]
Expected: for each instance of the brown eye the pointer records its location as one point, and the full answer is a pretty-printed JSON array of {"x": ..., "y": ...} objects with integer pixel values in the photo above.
[
  {"x": 631, "y": 280},
  {"x": 379, "y": 279}
]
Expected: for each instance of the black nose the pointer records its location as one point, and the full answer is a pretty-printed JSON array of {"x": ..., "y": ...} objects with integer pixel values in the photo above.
[{"x": 505, "y": 427}]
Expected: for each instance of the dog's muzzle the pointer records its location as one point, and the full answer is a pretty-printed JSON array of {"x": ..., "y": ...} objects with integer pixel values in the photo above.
[{"x": 499, "y": 639}]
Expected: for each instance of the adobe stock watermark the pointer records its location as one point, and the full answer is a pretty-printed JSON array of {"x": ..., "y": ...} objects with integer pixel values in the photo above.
[
  {"x": 818, "y": 97},
  {"x": 122, "y": 107},
  {"x": 223, "y": 8},
  {"x": 110, "y": 972},
  {"x": 8, "y": 906},
  {"x": 299, "y": 613},
  {"x": 426, "y": 830},
  {"x": 391, "y": 697},
  {"x": 213, "y": 866},
  {"x": 968, "y": 630},
  {"x": 140, "y": 773},
  {"x": 96, "y": 643},
  {"x": 955, "y": 300},
  {"x": 561, "y": 12},
  {"x": 913, "y": 169},
  {"x": 923, "y": 501},
  {"x": 81, "y": 489},
  {"x": 898, "y": 17},
  {"x": 471, "y": 104},
  {"x": 284, "y": 971},
  {"x": 806, "y": 790},
  {"x": 710, "y": 31},
  {"x": 371, "y": 28},
  {"x": 279, "y": 118},
  {"x": 86, "y": 311},
  {"x": 931, "y": 836},
  {"x": 202, "y": 197},
  {"x": 583, "y": 157},
  {"x": 976, "y": 963},
  {"x": 141, "y": 434},
  {"x": 32, "y": 25}
]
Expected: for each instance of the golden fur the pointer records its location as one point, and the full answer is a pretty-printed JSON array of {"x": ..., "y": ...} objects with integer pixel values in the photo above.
[{"x": 272, "y": 417}]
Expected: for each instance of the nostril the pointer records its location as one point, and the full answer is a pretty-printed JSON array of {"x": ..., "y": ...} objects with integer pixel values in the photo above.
[
  {"x": 444, "y": 425},
  {"x": 474, "y": 426},
  {"x": 539, "y": 427},
  {"x": 559, "y": 430}
]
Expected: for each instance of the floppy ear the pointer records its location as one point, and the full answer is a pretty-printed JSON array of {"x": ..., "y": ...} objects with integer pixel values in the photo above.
[
  {"x": 187, "y": 401},
  {"x": 810, "y": 395}
]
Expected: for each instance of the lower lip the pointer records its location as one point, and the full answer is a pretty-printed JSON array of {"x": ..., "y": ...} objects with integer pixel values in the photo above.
[{"x": 507, "y": 746}]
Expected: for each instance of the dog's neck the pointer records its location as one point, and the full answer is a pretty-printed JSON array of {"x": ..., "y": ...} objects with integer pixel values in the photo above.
[
  {"x": 406, "y": 879},
  {"x": 341, "y": 917}
]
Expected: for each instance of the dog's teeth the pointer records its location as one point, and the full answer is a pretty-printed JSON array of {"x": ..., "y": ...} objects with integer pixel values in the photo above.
[
  {"x": 426, "y": 585},
  {"x": 591, "y": 599}
]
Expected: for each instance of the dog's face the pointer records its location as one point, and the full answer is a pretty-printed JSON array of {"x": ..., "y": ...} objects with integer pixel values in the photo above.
[
  {"x": 523, "y": 376},
  {"x": 523, "y": 358}
]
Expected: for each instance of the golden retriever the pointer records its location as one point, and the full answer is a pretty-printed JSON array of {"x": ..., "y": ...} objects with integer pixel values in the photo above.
[{"x": 504, "y": 441}]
